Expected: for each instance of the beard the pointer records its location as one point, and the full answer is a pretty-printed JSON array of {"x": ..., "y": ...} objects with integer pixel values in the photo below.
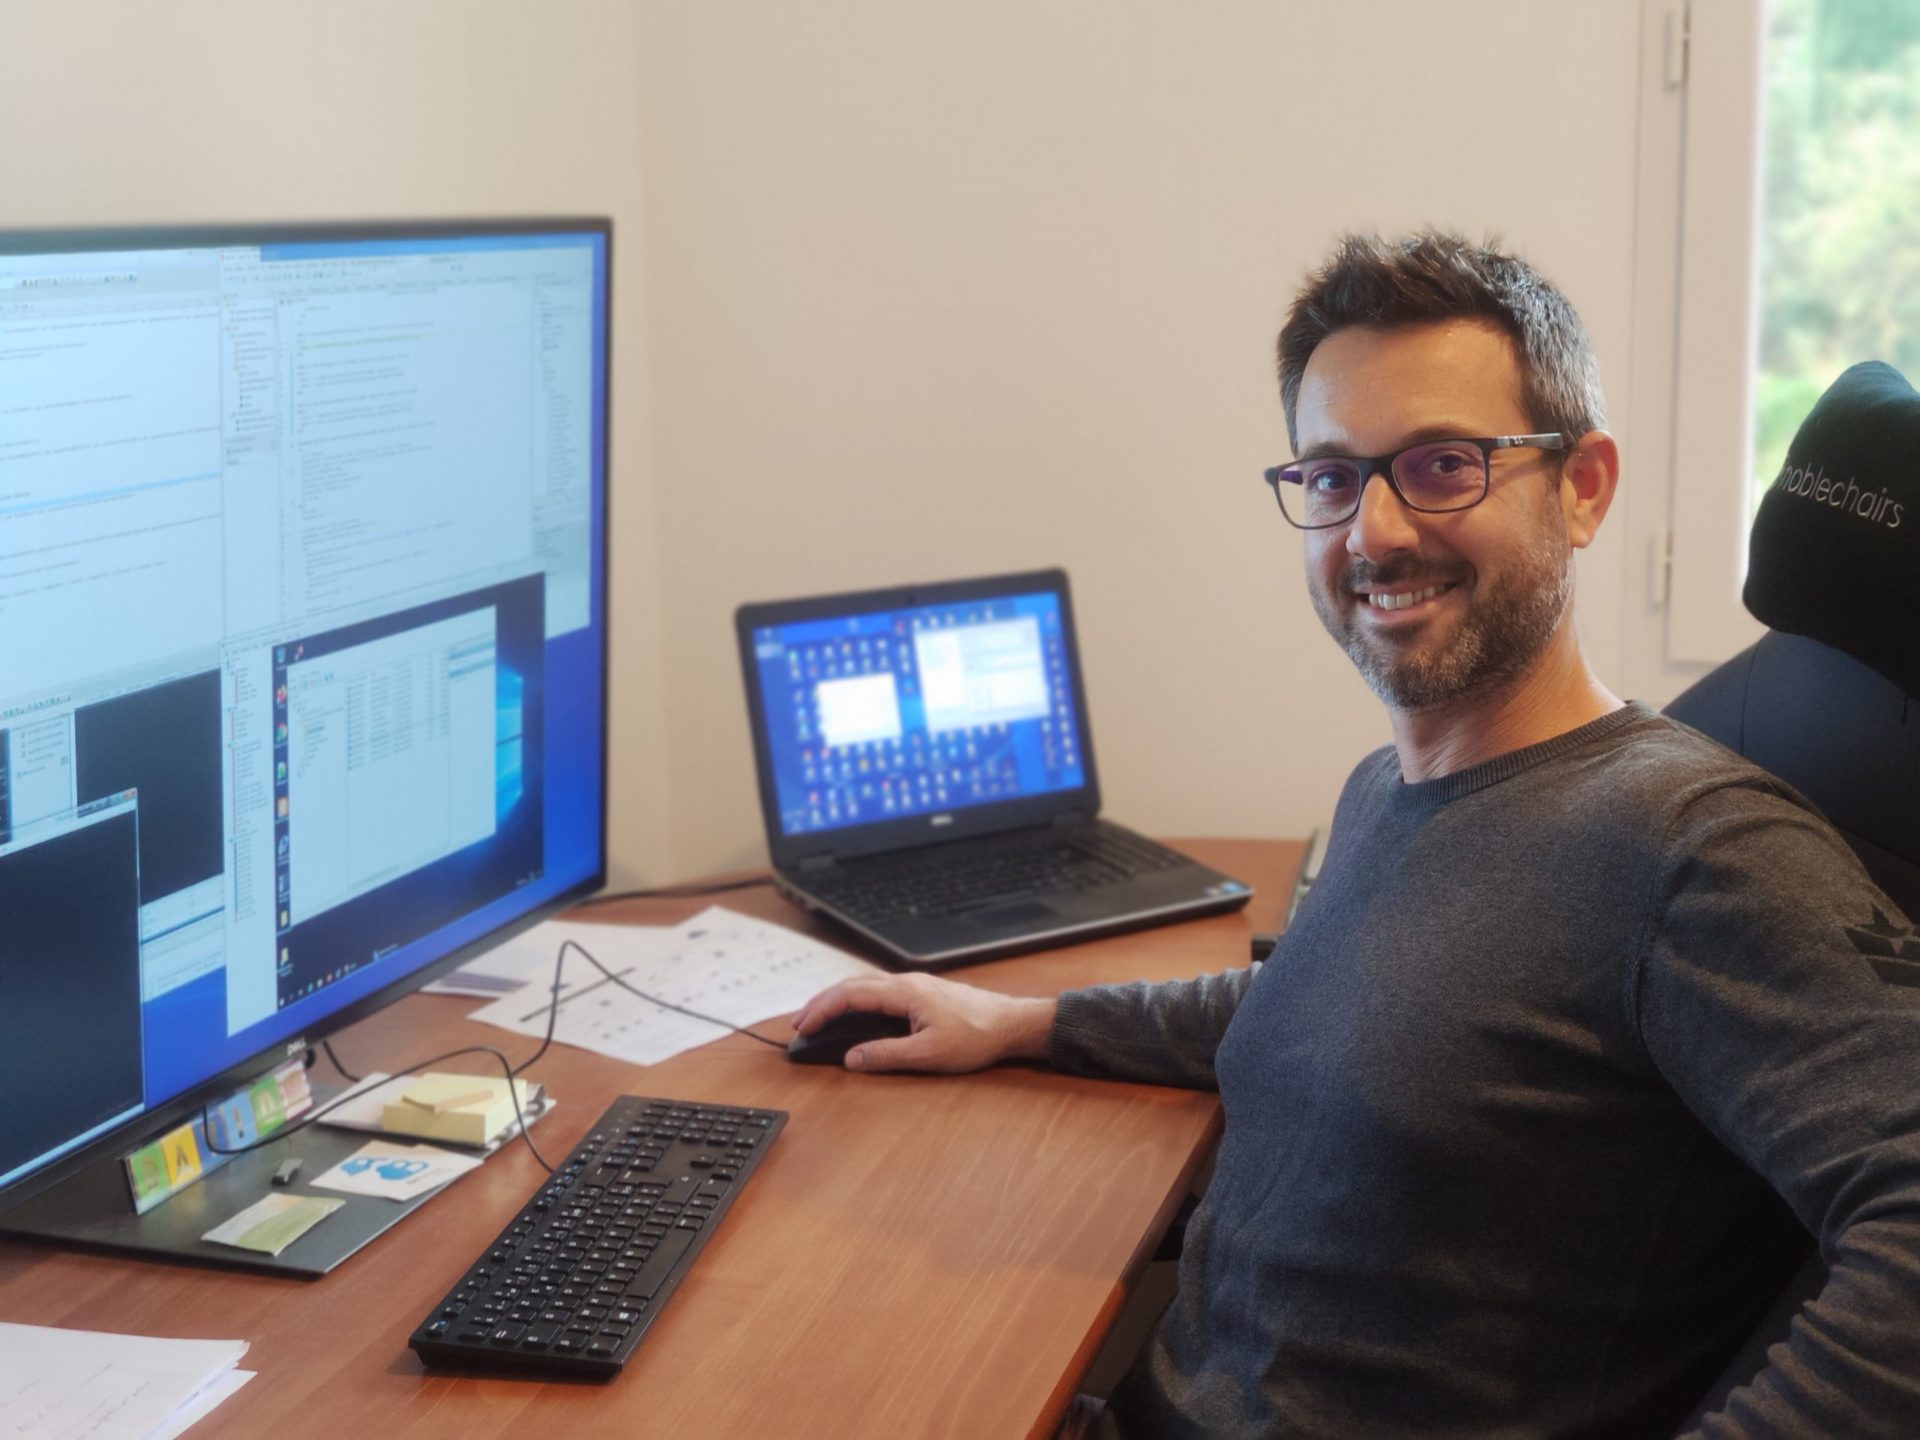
[{"x": 1506, "y": 626}]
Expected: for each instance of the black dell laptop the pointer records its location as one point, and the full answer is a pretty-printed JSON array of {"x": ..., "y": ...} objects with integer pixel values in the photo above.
[{"x": 927, "y": 777}]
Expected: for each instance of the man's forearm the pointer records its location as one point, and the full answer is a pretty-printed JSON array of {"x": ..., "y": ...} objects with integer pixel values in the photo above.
[{"x": 1164, "y": 1033}]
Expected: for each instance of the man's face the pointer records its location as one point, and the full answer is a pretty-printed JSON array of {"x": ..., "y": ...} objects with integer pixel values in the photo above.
[{"x": 1490, "y": 584}]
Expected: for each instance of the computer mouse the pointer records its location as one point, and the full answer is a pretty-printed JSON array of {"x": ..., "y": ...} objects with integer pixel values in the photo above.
[{"x": 829, "y": 1044}]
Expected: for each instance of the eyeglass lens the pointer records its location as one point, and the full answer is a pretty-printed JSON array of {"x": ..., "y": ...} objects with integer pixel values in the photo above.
[{"x": 1446, "y": 475}]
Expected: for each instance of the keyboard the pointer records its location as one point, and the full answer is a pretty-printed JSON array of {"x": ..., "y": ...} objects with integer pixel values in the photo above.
[
  {"x": 582, "y": 1272},
  {"x": 951, "y": 879}
]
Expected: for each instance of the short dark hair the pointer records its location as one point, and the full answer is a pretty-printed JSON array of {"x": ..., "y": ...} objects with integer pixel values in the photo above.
[{"x": 1432, "y": 275}]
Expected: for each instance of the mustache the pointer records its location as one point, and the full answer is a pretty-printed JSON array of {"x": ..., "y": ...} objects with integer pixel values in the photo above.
[{"x": 1399, "y": 570}]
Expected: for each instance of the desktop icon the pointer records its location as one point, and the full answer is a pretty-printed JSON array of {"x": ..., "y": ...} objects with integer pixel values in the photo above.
[{"x": 280, "y": 807}]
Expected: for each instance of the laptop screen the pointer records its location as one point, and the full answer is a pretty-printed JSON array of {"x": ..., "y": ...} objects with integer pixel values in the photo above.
[{"x": 888, "y": 714}]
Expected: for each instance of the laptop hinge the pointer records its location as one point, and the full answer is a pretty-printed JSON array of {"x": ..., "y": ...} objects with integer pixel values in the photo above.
[{"x": 816, "y": 862}]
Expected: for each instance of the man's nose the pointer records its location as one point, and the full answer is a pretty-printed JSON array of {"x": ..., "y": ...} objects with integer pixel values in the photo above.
[{"x": 1383, "y": 523}]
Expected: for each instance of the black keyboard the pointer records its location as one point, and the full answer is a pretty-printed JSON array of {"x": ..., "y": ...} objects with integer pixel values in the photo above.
[
  {"x": 582, "y": 1272},
  {"x": 950, "y": 879}
]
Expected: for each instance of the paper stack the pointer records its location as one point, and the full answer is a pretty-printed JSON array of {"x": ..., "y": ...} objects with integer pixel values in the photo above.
[{"x": 82, "y": 1383}]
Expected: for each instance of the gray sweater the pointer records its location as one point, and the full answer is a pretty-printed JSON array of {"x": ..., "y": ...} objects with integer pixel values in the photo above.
[{"x": 1512, "y": 1111}]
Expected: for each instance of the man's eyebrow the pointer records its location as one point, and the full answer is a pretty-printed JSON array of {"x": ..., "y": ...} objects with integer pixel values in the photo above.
[{"x": 1442, "y": 430}]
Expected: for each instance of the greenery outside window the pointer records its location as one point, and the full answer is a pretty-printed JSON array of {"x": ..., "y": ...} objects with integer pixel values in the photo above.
[{"x": 1839, "y": 255}]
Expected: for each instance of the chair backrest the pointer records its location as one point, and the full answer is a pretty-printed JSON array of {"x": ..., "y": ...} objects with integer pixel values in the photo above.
[
  {"x": 1848, "y": 739},
  {"x": 1841, "y": 734},
  {"x": 1828, "y": 709}
]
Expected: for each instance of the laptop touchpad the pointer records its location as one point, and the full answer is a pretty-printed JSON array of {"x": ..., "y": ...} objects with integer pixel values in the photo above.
[{"x": 1018, "y": 914}]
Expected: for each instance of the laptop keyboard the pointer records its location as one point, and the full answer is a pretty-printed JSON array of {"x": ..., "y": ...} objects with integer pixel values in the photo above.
[{"x": 971, "y": 875}]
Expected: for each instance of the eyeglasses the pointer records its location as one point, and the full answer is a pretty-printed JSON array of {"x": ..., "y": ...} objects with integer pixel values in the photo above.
[{"x": 1433, "y": 476}]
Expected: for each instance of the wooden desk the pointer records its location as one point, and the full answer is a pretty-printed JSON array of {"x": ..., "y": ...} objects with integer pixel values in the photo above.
[{"x": 917, "y": 1256}]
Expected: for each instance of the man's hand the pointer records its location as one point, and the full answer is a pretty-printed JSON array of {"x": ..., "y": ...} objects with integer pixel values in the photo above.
[{"x": 956, "y": 1028}]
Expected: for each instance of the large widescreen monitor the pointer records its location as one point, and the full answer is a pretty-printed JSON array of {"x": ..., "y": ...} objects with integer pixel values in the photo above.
[{"x": 303, "y": 640}]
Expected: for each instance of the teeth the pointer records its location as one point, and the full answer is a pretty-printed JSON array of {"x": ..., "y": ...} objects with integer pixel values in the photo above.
[{"x": 1401, "y": 602}]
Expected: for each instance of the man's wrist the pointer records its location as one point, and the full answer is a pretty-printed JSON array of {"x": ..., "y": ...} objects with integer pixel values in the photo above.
[{"x": 1030, "y": 1029}]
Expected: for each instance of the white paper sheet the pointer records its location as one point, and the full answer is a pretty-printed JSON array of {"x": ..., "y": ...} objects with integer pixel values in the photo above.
[
  {"x": 720, "y": 963},
  {"x": 198, "y": 1406},
  {"x": 83, "y": 1384}
]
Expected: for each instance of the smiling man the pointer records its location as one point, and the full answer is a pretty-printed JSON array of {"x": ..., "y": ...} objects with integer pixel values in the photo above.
[{"x": 1569, "y": 1043}]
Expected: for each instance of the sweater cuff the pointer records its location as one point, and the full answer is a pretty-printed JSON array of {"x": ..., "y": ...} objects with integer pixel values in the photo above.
[{"x": 1075, "y": 1036}]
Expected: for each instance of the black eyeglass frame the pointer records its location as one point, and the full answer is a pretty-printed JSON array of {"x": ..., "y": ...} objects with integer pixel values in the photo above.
[{"x": 1384, "y": 465}]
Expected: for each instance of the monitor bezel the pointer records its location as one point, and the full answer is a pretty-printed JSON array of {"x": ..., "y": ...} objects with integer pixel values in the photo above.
[
  {"x": 192, "y": 1103},
  {"x": 989, "y": 817}
]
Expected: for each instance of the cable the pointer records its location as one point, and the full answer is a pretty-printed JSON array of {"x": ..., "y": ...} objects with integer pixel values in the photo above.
[
  {"x": 621, "y": 981},
  {"x": 513, "y": 1071},
  {"x": 327, "y": 1046},
  {"x": 679, "y": 892},
  {"x": 304, "y": 1121}
]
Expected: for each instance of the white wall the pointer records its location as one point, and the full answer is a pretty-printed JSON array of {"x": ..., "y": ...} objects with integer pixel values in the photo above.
[
  {"x": 946, "y": 289},
  {"x": 205, "y": 110},
  {"x": 908, "y": 289}
]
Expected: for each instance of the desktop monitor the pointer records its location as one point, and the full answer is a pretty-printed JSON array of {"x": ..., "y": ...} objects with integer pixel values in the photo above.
[{"x": 303, "y": 646}]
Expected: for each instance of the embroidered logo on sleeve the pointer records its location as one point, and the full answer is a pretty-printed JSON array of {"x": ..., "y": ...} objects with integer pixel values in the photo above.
[{"x": 1892, "y": 950}]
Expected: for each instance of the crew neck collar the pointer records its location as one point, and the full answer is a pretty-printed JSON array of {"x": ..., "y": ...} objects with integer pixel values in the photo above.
[{"x": 1442, "y": 788}]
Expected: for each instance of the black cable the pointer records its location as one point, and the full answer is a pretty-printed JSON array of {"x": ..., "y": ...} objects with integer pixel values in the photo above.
[
  {"x": 678, "y": 892},
  {"x": 327, "y": 1045},
  {"x": 513, "y": 1071},
  {"x": 513, "y": 1092},
  {"x": 621, "y": 981}
]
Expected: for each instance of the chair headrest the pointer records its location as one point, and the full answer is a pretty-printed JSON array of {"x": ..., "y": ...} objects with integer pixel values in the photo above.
[{"x": 1835, "y": 550}]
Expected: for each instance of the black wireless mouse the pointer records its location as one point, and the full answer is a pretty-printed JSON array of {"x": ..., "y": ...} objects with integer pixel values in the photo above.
[{"x": 829, "y": 1044}]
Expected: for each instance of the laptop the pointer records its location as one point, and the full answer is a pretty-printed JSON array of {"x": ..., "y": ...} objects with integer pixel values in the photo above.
[{"x": 927, "y": 776}]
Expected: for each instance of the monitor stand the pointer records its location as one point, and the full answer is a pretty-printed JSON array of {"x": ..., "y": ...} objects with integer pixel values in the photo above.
[{"x": 92, "y": 1209}]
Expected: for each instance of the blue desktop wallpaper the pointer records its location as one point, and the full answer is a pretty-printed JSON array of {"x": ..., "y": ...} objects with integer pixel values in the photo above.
[{"x": 895, "y": 762}]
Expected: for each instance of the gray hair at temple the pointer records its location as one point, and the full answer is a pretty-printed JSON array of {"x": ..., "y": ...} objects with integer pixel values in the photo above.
[{"x": 1431, "y": 275}]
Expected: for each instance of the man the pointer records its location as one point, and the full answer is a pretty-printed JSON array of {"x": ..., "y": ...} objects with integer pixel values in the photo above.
[{"x": 1512, "y": 1111}]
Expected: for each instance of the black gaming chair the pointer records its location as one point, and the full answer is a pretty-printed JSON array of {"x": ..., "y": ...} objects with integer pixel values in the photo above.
[
  {"x": 1848, "y": 739},
  {"x": 1844, "y": 736},
  {"x": 1843, "y": 732}
]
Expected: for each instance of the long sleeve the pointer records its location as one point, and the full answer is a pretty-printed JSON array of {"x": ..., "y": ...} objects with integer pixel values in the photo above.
[
  {"x": 1163, "y": 1034},
  {"x": 1779, "y": 994}
]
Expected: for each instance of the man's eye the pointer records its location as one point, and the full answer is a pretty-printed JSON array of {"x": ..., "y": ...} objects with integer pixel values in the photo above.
[
  {"x": 1440, "y": 465},
  {"x": 1330, "y": 480}
]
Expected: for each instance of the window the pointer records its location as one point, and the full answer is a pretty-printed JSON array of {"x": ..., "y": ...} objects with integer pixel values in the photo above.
[
  {"x": 1792, "y": 135},
  {"x": 1839, "y": 265}
]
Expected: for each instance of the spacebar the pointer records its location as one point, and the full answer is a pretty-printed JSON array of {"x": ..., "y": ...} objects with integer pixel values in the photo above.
[{"x": 672, "y": 1246}]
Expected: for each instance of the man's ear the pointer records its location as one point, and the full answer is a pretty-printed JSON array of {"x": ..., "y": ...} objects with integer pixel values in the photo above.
[{"x": 1588, "y": 479}]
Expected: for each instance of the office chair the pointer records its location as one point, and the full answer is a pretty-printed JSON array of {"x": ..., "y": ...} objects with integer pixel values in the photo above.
[{"x": 1833, "y": 708}]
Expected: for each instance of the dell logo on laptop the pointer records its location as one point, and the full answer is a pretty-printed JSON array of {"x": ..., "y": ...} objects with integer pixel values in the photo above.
[{"x": 942, "y": 819}]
